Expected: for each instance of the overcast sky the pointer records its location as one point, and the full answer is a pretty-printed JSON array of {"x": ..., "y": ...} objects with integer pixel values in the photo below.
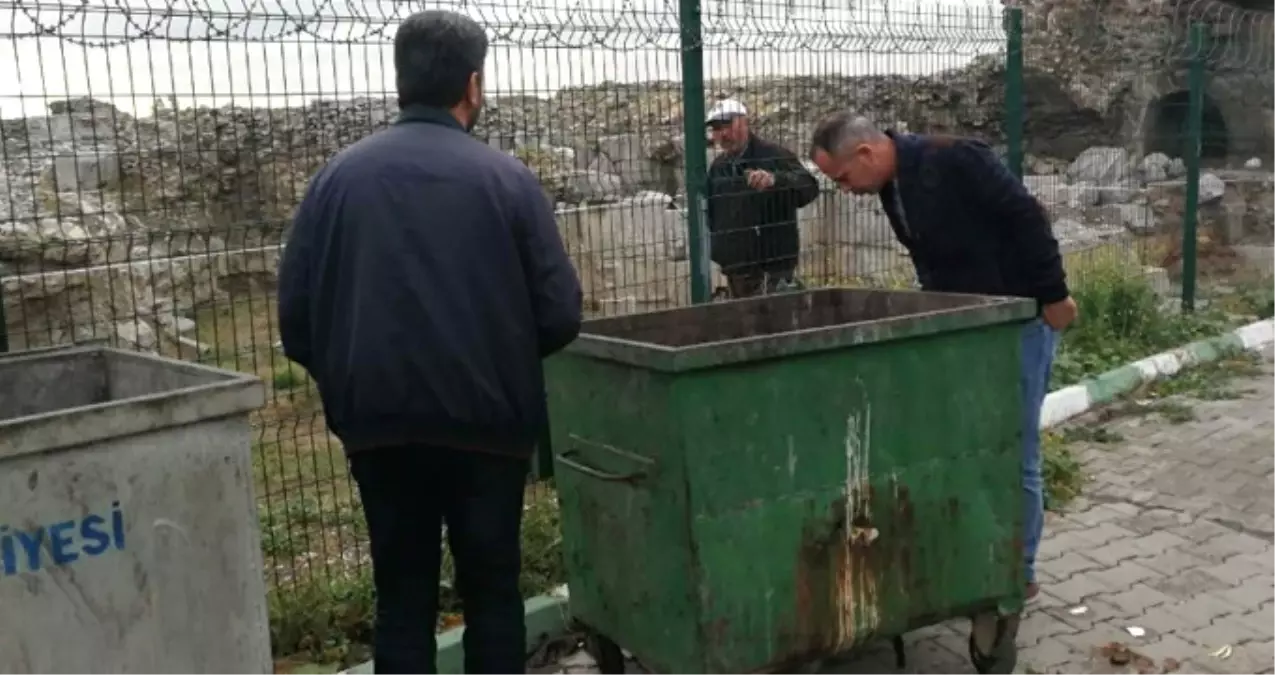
[{"x": 288, "y": 52}]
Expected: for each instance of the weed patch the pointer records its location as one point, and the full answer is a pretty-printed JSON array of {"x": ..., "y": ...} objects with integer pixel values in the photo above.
[
  {"x": 329, "y": 621},
  {"x": 1063, "y": 475},
  {"x": 1122, "y": 319}
]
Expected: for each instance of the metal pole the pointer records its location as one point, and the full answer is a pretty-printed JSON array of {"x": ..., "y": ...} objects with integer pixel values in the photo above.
[
  {"x": 4, "y": 323},
  {"x": 1014, "y": 90},
  {"x": 696, "y": 148},
  {"x": 1194, "y": 124}
]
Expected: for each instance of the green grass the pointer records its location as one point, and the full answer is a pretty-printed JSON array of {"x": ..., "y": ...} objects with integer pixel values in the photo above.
[
  {"x": 1064, "y": 477},
  {"x": 1122, "y": 320},
  {"x": 328, "y": 620}
]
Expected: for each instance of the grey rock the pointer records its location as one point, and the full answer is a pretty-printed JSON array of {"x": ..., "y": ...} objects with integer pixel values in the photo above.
[
  {"x": 1072, "y": 234},
  {"x": 1136, "y": 218},
  {"x": 1101, "y": 166},
  {"x": 1211, "y": 188},
  {"x": 1114, "y": 194},
  {"x": 87, "y": 171},
  {"x": 137, "y": 334},
  {"x": 1155, "y": 167},
  {"x": 1083, "y": 194}
]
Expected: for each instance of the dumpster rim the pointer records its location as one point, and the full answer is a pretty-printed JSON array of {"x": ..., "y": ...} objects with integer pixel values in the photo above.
[
  {"x": 993, "y": 310},
  {"x": 230, "y": 394}
]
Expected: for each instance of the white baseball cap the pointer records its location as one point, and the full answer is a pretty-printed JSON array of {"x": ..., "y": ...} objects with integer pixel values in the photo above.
[{"x": 726, "y": 109}]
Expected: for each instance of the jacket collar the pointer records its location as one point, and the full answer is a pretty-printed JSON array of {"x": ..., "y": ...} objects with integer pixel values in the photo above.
[
  {"x": 907, "y": 148},
  {"x": 745, "y": 152},
  {"x": 428, "y": 115}
]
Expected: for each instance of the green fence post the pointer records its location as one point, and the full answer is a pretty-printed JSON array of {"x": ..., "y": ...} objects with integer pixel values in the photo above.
[
  {"x": 1194, "y": 124},
  {"x": 4, "y": 323},
  {"x": 696, "y": 148},
  {"x": 1014, "y": 90}
]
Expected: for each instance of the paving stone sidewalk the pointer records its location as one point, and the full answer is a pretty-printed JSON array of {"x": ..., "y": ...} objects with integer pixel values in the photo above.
[{"x": 1174, "y": 536}]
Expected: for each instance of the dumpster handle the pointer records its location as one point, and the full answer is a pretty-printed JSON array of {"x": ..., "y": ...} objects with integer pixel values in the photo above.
[{"x": 567, "y": 461}]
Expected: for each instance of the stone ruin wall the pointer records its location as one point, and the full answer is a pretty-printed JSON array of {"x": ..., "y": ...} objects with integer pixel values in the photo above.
[{"x": 197, "y": 200}]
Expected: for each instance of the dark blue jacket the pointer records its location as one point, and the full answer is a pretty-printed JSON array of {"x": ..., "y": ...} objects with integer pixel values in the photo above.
[
  {"x": 423, "y": 282},
  {"x": 969, "y": 224}
]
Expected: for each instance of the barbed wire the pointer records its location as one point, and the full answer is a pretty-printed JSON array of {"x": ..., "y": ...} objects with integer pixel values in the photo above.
[
  {"x": 1238, "y": 36},
  {"x": 823, "y": 25}
]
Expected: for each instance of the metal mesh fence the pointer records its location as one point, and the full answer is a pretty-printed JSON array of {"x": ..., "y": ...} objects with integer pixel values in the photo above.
[
  {"x": 153, "y": 152},
  {"x": 1080, "y": 130},
  {"x": 1229, "y": 107},
  {"x": 1110, "y": 90},
  {"x": 921, "y": 67}
]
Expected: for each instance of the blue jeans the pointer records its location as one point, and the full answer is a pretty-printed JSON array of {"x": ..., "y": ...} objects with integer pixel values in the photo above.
[{"x": 1038, "y": 344}]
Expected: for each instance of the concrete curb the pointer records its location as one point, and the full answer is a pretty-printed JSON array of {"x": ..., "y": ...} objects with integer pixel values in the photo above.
[
  {"x": 547, "y": 618},
  {"x": 1076, "y": 399}
]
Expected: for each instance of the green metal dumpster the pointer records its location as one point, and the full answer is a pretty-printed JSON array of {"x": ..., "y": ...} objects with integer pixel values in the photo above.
[{"x": 752, "y": 484}]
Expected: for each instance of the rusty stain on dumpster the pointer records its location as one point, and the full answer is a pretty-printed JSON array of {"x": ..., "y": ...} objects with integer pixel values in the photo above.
[
  {"x": 837, "y": 568},
  {"x": 841, "y": 585},
  {"x": 836, "y": 588}
]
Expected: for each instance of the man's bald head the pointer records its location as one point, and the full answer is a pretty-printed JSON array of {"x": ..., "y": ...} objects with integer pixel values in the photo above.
[{"x": 853, "y": 152}]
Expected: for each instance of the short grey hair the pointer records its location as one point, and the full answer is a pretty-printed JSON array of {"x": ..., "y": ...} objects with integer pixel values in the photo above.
[{"x": 840, "y": 129}]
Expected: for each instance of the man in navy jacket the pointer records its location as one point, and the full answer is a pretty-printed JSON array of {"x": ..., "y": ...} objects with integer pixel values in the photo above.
[
  {"x": 970, "y": 226},
  {"x": 423, "y": 282}
]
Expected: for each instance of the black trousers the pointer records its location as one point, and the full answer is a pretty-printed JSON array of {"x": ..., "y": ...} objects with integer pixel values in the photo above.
[{"x": 407, "y": 493}]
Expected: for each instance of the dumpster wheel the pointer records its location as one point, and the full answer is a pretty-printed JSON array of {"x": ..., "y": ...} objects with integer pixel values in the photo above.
[
  {"x": 607, "y": 654},
  {"x": 1002, "y": 634}
]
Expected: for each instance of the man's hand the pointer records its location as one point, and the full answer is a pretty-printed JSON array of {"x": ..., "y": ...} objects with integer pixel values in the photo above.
[
  {"x": 1060, "y": 314},
  {"x": 760, "y": 180}
]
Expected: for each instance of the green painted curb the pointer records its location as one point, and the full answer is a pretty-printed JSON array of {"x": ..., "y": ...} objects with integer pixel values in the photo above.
[
  {"x": 546, "y": 616},
  {"x": 1065, "y": 403},
  {"x": 1112, "y": 384}
]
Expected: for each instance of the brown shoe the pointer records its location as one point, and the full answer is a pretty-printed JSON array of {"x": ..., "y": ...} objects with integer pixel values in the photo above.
[{"x": 1033, "y": 589}]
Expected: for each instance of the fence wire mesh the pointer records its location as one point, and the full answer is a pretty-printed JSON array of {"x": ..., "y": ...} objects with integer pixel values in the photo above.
[
  {"x": 1236, "y": 195},
  {"x": 1113, "y": 91},
  {"x": 153, "y": 152}
]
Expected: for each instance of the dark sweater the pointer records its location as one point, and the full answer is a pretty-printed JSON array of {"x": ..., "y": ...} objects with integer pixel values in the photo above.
[
  {"x": 971, "y": 225},
  {"x": 423, "y": 282}
]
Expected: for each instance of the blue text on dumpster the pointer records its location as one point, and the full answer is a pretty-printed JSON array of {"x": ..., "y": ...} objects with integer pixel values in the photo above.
[{"x": 61, "y": 543}]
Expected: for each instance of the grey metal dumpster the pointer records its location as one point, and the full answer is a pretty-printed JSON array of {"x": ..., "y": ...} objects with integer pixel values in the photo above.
[{"x": 128, "y": 527}]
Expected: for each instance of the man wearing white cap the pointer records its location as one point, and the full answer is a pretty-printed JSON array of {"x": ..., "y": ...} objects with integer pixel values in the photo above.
[{"x": 754, "y": 190}]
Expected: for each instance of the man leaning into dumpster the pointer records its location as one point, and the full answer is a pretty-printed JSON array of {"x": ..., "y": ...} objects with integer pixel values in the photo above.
[
  {"x": 754, "y": 190},
  {"x": 423, "y": 282},
  {"x": 970, "y": 226}
]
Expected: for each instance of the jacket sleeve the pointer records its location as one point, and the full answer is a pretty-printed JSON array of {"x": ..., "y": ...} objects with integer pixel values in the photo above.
[
  {"x": 294, "y": 284},
  {"x": 791, "y": 176},
  {"x": 718, "y": 186},
  {"x": 1018, "y": 215},
  {"x": 556, "y": 298}
]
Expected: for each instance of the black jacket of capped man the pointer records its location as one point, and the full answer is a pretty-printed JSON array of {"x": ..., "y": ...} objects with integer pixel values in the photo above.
[
  {"x": 970, "y": 224},
  {"x": 423, "y": 282},
  {"x": 757, "y": 227}
]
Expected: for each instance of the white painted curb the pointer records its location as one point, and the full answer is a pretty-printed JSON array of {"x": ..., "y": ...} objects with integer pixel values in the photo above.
[{"x": 1076, "y": 399}]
